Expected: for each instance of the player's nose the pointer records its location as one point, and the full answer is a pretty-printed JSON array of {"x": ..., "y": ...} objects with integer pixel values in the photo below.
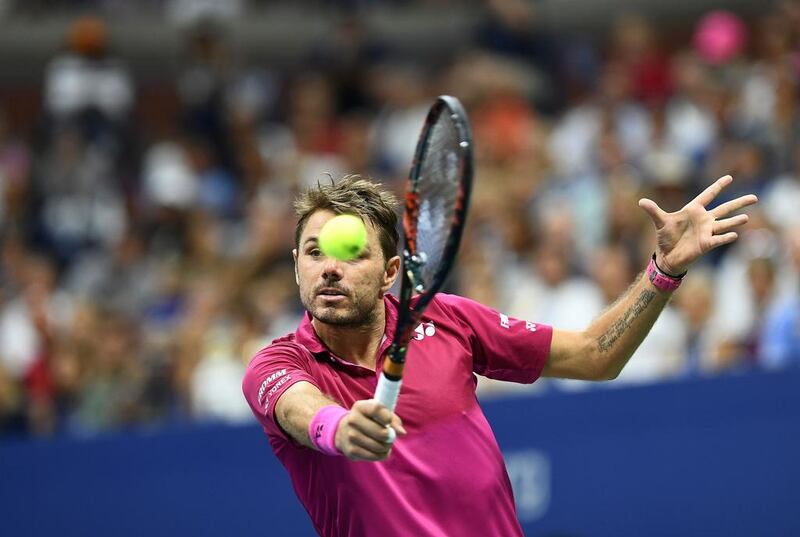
[{"x": 332, "y": 269}]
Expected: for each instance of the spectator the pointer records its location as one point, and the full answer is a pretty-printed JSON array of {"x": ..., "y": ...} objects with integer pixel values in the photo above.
[
  {"x": 513, "y": 29},
  {"x": 739, "y": 318},
  {"x": 781, "y": 330},
  {"x": 86, "y": 80},
  {"x": 553, "y": 294},
  {"x": 15, "y": 168},
  {"x": 110, "y": 397},
  {"x": 635, "y": 45},
  {"x": 131, "y": 282},
  {"x": 28, "y": 325},
  {"x": 695, "y": 303}
]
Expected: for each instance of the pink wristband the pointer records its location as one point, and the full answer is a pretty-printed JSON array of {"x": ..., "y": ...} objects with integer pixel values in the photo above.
[
  {"x": 323, "y": 426},
  {"x": 662, "y": 281}
]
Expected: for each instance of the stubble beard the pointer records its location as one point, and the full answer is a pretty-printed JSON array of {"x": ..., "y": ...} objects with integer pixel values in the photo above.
[{"x": 361, "y": 313}]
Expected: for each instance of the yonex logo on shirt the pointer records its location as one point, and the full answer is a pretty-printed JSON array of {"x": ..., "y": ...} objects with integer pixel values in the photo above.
[
  {"x": 424, "y": 329},
  {"x": 274, "y": 389},
  {"x": 504, "y": 320}
]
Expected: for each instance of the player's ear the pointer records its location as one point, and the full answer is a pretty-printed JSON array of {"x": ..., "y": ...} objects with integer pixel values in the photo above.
[
  {"x": 391, "y": 272},
  {"x": 296, "y": 275}
]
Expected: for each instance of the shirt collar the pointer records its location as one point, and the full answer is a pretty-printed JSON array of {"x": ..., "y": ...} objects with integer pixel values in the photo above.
[{"x": 307, "y": 336}]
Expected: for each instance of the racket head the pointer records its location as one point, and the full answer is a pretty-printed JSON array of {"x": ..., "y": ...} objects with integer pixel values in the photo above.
[{"x": 436, "y": 203}]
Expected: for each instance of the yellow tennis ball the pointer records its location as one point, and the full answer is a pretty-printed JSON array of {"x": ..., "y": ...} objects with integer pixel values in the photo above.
[{"x": 343, "y": 237}]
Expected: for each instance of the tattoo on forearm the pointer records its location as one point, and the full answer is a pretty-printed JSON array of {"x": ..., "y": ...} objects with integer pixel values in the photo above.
[{"x": 608, "y": 339}]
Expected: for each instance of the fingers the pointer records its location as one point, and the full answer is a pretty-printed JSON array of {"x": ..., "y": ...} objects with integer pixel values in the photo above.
[
  {"x": 395, "y": 429},
  {"x": 368, "y": 431},
  {"x": 713, "y": 190},
  {"x": 656, "y": 214},
  {"x": 734, "y": 205},
  {"x": 392, "y": 434},
  {"x": 376, "y": 448},
  {"x": 727, "y": 224},
  {"x": 397, "y": 425},
  {"x": 355, "y": 444},
  {"x": 373, "y": 410},
  {"x": 725, "y": 238},
  {"x": 378, "y": 413}
]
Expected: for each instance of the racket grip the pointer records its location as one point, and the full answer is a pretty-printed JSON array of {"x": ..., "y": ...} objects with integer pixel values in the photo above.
[{"x": 388, "y": 391}]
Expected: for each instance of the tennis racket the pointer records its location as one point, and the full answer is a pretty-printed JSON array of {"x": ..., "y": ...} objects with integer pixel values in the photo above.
[{"x": 436, "y": 201}]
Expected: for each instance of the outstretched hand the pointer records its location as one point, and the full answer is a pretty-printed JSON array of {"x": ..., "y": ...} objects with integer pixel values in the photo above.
[{"x": 687, "y": 234}]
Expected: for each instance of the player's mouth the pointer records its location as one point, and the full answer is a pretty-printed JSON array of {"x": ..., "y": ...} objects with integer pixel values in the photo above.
[{"x": 331, "y": 294}]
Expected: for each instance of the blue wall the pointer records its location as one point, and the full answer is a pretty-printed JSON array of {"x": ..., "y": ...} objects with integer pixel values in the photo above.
[{"x": 706, "y": 458}]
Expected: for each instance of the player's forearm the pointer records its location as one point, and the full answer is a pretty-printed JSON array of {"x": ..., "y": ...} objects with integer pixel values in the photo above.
[
  {"x": 359, "y": 434},
  {"x": 617, "y": 333},
  {"x": 295, "y": 411}
]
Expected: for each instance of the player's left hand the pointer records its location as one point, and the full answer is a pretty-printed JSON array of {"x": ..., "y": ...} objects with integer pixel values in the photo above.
[{"x": 687, "y": 234}]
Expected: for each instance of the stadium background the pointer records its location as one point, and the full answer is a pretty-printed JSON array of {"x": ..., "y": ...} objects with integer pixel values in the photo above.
[{"x": 149, "y": 153}]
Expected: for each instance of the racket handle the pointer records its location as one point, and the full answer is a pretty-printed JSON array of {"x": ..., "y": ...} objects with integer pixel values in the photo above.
[{"x": 388, "y": 391}]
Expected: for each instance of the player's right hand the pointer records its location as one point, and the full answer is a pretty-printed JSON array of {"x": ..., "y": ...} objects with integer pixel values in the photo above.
[{"x": 363, "y": 434}]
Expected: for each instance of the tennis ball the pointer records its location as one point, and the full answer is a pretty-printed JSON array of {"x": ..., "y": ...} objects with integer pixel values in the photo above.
[{"x": 343, "y": 237}]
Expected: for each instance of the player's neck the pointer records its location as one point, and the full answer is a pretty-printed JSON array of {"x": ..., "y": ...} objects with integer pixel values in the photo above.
[{"x": 358, "y": 344}]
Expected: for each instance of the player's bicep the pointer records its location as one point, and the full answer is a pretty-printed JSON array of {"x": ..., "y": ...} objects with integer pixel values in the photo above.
[{"x": 572, "y": 356}]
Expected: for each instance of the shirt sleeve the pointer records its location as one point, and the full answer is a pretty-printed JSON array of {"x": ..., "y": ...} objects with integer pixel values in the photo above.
[
  {"x": 504, "y": 348},
  {"x": 270, "y": 373}
]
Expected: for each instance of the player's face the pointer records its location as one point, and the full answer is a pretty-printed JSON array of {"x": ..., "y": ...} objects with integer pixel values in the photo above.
[{"x": 344, "y": 293}]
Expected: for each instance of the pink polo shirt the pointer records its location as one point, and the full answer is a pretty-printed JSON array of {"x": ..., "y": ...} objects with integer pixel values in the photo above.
[{"x": 446, "y": 477}]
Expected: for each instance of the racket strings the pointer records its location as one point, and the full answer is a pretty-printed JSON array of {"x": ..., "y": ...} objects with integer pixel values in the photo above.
[{"x": 439, "y": 190}]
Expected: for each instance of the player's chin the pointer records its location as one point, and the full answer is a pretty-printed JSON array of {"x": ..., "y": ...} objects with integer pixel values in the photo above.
[
  {"x": 333, "y": 313},
  {"x": 334, "y": 318}
]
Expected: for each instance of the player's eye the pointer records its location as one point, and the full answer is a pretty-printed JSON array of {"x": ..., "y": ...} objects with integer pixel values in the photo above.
[{"x": 314, "y": 252}]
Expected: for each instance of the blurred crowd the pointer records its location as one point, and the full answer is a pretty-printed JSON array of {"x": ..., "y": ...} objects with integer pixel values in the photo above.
[{"x": 143, "y": 267}]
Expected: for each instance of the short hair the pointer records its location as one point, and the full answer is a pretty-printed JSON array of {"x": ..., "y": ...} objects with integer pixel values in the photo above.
[{"x": 352, "y": 194}]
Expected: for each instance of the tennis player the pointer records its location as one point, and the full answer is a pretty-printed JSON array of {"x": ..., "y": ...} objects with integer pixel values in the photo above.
[{"x": 444, "y": 475}]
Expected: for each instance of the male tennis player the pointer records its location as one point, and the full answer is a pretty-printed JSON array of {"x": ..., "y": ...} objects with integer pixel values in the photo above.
[{"x": 444, "y": 475}]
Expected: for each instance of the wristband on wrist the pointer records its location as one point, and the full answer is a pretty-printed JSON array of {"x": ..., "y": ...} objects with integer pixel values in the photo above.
[
  {"x": 323, "y": 426},
  {"x": 660, "y": 279}
]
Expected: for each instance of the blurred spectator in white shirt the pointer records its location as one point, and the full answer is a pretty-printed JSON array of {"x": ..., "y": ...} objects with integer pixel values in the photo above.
[
  {"x": 27, "y": 320},
  {"x": 739, "y": 315},
  {"x": 695, "y": 304},
  {"x": 405, "y": 94},
  {"x": 741, "y": 351},
  {"x": 576, "y": 135},
  {"x": 550, "y": 293},
  {"x": 691, "y": 122},
  {"x": 780, "y": 336},
  {"x": 782, "y": 194},
  {"x": 86, "y": 76}
]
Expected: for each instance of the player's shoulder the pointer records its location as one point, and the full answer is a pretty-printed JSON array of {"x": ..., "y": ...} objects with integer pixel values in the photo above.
[
  {"x": 455, "y": 302},
  {"x": 455, "y": 306},
  {"x": 288, "y": 339},
  {"x": 282, "y": 348}
]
